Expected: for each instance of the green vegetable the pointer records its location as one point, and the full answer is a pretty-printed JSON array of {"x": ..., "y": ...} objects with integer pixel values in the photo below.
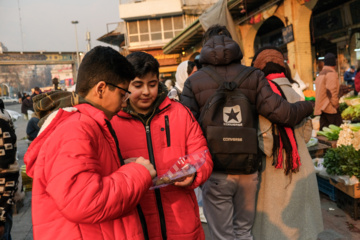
[
  {"x": 354, "y": 127},
  {"x": 331, "y": 132},
  {"x": 343, "y": 160},
  {"x": 351, "y": 113},
  {"x": 342, "y": 107}
]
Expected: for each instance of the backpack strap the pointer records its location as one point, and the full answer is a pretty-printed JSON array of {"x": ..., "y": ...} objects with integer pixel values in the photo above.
[
  {"x": 213, "y": 74},
  {"x": 219, "y": 80},
  {"x": 240, "y": 78}
]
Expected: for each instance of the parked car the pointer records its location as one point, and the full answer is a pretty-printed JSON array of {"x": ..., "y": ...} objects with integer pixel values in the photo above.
[{"x": 9, "y": 99}]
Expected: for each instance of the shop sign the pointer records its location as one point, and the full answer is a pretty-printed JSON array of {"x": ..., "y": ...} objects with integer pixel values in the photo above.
[{"x": 288, "y": 35}]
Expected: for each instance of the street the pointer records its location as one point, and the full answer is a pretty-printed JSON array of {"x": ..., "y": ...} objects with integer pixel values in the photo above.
[{"x": 338, "y": 225}]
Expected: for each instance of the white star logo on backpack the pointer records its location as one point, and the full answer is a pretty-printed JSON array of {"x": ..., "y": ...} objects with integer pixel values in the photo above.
[{"x": 232, "y": 116}]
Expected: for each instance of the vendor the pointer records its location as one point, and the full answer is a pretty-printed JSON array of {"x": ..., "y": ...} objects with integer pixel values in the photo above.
[{"x": 327, "y": 93}]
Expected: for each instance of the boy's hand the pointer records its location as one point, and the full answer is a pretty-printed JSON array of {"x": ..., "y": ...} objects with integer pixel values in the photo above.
[
  {"x": 185, "y": 181},
  {"x": 146, "y": 163}
]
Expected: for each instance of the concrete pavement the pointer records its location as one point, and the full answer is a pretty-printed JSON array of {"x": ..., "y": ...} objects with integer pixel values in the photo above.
[{"x": 337, "y": 224}]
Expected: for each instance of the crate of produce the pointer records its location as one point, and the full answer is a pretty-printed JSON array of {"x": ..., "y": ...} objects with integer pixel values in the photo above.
[
  {"x": 324, "y": 140},
  {"x": 351, "y": 190},
  {"x": 349, "y": 204},
  {"x": 326, "y": 188}
]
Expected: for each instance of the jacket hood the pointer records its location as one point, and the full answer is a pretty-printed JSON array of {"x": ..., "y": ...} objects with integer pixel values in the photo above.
[
  {"x": 54, "y": 108},
  {"x": 181, "y": 75},
  {"x": 220, "y": 50}
]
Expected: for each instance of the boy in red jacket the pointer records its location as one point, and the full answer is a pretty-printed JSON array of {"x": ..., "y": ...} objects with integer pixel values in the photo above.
[{"x": 162, "y": 130}]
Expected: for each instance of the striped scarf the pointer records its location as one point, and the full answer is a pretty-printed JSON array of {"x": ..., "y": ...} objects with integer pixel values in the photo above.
[{"x": 284, "y": 138}]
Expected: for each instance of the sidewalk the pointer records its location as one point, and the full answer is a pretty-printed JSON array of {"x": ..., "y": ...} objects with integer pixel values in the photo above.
[{"x": 337, "y": 224}]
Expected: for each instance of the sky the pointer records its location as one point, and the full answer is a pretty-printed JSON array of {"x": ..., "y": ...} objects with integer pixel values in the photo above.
[{"x": 46, "y": 24}]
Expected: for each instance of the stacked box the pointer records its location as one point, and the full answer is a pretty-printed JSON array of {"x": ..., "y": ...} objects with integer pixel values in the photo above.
[
  {"x": 349, "y": 204},
  {"x": 326, "y": 188}
]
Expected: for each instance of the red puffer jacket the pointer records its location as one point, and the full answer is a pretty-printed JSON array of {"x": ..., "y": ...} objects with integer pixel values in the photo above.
[
  {"x": 171, "y": 133},
  {"x": 79, "y": 191},
  {"x": 357, "y": 82}
]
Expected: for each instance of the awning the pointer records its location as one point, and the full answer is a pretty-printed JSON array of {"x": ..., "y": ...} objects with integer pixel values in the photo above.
[
  {"x": 192, "y": 35},
  {"x": 168, "y": 69},
  {"x": 115, "y": 37}
]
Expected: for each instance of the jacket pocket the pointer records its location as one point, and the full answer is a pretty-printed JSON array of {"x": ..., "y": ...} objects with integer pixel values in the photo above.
[{"x": 167, "y": 130}]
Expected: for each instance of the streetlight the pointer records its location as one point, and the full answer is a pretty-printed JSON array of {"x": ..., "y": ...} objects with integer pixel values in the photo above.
[{"x": 77, "y": 47}]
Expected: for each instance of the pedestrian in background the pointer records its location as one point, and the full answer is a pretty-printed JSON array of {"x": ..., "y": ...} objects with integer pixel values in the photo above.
[
  {"x": 162, "y": 130},
  {"x": 357, "y": 81},
  {"x": 349, "y": 76},
  {"x": 327, "y": 93},
  {"x": 37, "y": 91},
  {"x": 32, "y": 128},
  {"x": 229, "y": 196},
  {"x": 288, "y": 201},
  {"x": 9, "y": 172},
  {"x": 81, "y": 188},
  {"x": 26, "y": 105},
  {"x": 183, "y": 71}
]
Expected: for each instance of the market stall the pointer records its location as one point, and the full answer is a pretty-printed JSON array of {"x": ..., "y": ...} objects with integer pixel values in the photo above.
[{"x": 336, "y": 156}]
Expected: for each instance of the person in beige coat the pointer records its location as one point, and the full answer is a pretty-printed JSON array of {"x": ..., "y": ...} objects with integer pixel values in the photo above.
[
  {"x": 327, "y": 93},
  {"x": 288, "y": 202}
]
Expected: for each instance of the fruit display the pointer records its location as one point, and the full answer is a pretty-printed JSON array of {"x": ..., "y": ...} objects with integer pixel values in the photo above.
[{"x": 309, "y": 95}]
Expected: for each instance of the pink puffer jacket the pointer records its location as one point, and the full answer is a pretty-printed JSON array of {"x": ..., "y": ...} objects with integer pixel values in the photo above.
[{"x": 79, "y": 189}]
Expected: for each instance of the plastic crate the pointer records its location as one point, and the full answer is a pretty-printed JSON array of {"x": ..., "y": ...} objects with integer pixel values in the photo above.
[
  {"x": 326, "y": 188},
  {"x": 349, "y": 204}
]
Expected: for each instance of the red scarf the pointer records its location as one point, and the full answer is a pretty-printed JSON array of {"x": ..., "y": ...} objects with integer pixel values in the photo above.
[{"x": 295, "y": 163}]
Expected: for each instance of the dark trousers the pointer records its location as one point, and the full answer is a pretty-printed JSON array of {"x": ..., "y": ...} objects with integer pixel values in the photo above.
[{"x": 326, "y": 119}]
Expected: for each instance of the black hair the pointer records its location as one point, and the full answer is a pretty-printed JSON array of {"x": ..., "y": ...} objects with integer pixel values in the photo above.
[
  {"x": 103, "y": 64},
  {"x": 143, "y": 64},
  {"x": 288, "y": 75},
  {"x": 197, "y": 62},
  {"x": 270, "y": 67},
  {"x": 190, "y": 67},
  {"x": 2, "y": 105},
  {"x": 215, "y": 30}
]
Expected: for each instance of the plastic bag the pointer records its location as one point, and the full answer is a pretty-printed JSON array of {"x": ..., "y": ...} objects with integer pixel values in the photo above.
[{"x": 183, "y": 167}]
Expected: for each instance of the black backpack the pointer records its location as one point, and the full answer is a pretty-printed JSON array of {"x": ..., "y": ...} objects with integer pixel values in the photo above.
[{"x": 229, "y": 122}]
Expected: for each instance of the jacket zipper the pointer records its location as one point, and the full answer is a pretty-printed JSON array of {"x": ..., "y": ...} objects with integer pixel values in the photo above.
[
  {"x": 167, "y": 130},
  {"x": 157, "y": 191},
  {"x": 152, "y": 160},
  {"x": 138, "y": 207}
]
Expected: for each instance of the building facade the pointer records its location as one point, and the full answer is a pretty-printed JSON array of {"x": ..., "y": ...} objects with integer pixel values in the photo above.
[
  {"x": 148, "y": 25},
  {"x": 304, "y": 29}
]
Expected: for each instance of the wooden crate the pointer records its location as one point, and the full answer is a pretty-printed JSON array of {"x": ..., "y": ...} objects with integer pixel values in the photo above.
[
  {"x": 351, "y": 190},
  {"x": 324, "y": 140}
]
